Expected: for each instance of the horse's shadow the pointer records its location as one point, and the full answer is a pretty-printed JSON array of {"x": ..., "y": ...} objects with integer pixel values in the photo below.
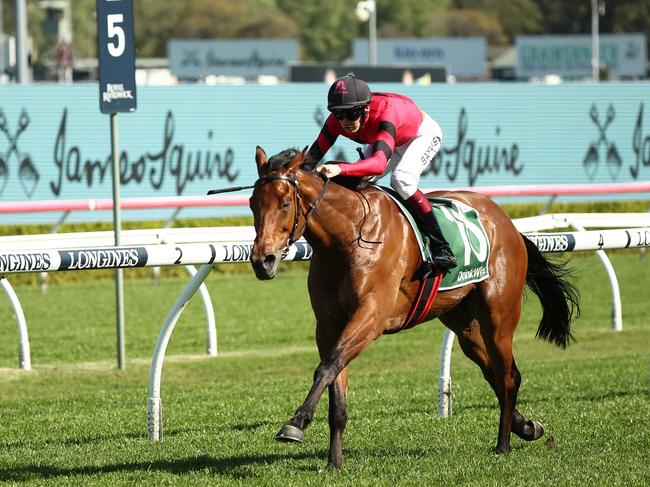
[
  {"x": 120, "y": 436},
  {"x": 237, "y": 467},
  {"x": 8, "y": 444}
]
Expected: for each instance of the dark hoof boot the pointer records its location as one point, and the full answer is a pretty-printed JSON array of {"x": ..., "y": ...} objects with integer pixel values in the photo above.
[
  {"x": 444, "y": 258},
  {"x": 290, "y": 434}
]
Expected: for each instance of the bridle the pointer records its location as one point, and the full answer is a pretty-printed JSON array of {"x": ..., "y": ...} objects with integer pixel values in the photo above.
[
  {"x": 296, "y": 232},
  {"x": 297, "y": 229}
]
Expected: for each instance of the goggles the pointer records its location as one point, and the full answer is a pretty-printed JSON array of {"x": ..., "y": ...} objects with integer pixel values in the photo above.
[{"x": 349, "y": 113}]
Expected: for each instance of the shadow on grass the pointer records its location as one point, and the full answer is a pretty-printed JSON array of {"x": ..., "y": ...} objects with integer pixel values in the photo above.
[
  {"x": 252, "y": 426},
  {"x": 237, "y": 467},
  {"x": 71, "y": 441},
  {"x": 120, "y": 437},
  {"x": 605, "y": 396}
]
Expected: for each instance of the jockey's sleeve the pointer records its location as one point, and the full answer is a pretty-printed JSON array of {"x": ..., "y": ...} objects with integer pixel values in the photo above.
[
  {"x": 325, "y": 140},
  {"x": 382, "y": 149}
]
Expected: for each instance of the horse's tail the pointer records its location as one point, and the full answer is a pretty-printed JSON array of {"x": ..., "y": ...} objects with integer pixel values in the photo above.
[{"x": 559, "y": 298}]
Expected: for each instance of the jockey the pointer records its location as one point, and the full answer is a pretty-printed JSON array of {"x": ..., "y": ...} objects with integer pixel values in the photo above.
[{"x": 400, "y": 139}]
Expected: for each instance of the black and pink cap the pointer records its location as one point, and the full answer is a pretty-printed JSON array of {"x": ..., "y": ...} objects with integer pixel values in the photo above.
[{"x": 348, "y": 92}]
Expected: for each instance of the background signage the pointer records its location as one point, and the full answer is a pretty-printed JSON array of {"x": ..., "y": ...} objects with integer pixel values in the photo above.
[
  {"x": 116, "y": 56},
  {"x": 570, "y": 56},
  {"x": 466, "y": 56},
  {"x": 247, "y": 58}
]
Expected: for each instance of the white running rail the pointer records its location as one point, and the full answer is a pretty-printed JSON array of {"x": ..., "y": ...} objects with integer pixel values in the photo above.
[{"x": 22, "y": 254}]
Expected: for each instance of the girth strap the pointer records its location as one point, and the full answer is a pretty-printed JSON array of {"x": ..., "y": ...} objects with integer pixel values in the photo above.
[{"x": 424, "y": 299}]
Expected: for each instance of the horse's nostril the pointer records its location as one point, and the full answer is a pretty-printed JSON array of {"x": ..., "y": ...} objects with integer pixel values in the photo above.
[{"x": 269, "y": 259}]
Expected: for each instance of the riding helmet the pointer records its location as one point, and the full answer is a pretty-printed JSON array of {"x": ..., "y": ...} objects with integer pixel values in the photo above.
[{"x": 348, "y": 92}]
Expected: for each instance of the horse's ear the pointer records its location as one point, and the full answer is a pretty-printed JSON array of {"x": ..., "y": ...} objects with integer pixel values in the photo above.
[
  {"x": 297, "y": 160},
  {"x": 260, "y": 159},
  {"x": 308, "y": 163}
]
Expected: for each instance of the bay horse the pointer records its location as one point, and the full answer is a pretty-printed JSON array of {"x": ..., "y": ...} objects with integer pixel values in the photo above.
[{"x": 363, "y": 278}]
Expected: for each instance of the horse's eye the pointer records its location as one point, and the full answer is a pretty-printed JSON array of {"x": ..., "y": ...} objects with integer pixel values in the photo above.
[{"x": 286, "y": 206}]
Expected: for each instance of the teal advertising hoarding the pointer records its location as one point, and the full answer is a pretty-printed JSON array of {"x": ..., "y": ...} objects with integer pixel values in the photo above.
[{"x": 185, "y": 140}]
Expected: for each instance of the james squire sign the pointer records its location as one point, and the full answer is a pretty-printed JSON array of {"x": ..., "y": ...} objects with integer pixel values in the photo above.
[{"x": 185, "y": 142}]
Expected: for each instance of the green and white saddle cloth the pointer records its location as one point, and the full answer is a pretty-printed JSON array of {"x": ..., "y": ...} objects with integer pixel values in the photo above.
[{"x": 461, "y": 225}]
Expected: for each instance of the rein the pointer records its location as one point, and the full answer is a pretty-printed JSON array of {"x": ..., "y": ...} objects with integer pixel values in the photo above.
[{"x": 295, "y": 231}]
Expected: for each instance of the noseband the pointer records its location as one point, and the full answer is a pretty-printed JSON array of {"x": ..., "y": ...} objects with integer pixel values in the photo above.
[{"x": 296, "y": 232}]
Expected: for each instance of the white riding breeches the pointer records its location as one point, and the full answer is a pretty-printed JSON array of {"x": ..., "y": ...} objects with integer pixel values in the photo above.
[{"x": 409, "y": 160}]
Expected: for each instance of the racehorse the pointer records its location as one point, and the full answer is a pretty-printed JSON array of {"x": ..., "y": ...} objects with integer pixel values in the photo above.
[{"x": 364, "y": 275}]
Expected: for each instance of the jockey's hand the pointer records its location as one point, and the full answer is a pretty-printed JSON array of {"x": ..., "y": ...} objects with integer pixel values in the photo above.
[{"x": 330, "y": 170}]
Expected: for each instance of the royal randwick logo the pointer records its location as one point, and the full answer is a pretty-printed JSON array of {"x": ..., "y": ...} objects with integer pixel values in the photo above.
[
  {"x": 602, "y": 149},
  {"x": 12, "y": 157}
]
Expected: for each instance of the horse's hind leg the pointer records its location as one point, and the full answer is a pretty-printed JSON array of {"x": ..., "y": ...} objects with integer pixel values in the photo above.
[
  {"x": 498, "y": 312},
  {"x": 471, "y": 343},
  {"x": 526, "y": 429}
]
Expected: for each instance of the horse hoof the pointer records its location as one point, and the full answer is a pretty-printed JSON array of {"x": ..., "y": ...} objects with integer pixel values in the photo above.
[
  {"x": 538, "y": 430},
  {"x": 290, "y": 434},
  {"x": 531, "y": 431}
]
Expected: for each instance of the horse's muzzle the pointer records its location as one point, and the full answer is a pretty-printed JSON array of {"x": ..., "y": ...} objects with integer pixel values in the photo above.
[{"x": 266, "y": 266}]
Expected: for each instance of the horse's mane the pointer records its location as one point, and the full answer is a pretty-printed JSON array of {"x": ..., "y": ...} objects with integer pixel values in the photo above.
[{"x": 283, "y": 158}]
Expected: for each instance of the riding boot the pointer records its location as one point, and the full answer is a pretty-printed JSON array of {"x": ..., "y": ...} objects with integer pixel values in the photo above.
[{"x": 442, "y": 254}]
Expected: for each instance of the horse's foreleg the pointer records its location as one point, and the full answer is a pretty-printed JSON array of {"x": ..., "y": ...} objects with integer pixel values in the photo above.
[
  {"x": 338, "y": 417},
  {"x": 324, "y": 375},
  {"x": 357, "y": 334}
]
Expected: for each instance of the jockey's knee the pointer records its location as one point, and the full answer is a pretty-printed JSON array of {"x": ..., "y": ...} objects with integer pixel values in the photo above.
[{"x": 406, "y": 184}]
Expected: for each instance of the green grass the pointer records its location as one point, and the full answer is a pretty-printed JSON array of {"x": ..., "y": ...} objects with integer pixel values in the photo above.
[{"x": 77, "y": 420}]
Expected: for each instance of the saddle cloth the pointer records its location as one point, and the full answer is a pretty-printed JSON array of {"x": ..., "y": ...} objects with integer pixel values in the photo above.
[{"x": 462, "y": 228}]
